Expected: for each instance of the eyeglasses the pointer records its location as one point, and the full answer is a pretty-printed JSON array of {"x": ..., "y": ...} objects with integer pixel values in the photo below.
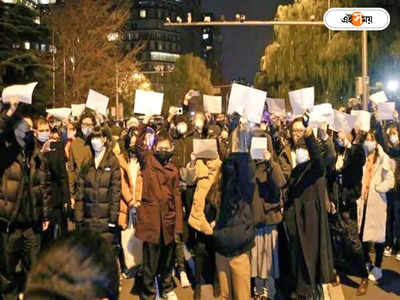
[
  {"x": 168, "y": 149},
  {"x": 298, "y": 131}
]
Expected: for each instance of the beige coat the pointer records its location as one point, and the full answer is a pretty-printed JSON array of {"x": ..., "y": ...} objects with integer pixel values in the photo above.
[
  {"x": 207, "y": 176},
  {"x": 382, "y": 182}
]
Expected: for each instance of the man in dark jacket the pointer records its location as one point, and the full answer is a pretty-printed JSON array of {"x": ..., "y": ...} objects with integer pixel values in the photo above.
[
  {"x": 24, "y": 199},
  {"x": 53, "y": 152}
]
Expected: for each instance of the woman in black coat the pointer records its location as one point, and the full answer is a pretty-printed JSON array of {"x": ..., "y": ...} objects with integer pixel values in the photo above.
[
  {"x": 344, "y": 186},
  {"x": 99, "y": 189},
  {"x": 305, "y": 218}
]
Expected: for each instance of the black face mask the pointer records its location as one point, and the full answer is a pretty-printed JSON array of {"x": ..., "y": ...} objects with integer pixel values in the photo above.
[
  {"x": 132, "y": 152},
  {"x": 163, "y": 156}
]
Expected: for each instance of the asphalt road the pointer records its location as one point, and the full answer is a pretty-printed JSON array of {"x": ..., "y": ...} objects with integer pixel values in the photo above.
[{"x": 387, "y": 289}]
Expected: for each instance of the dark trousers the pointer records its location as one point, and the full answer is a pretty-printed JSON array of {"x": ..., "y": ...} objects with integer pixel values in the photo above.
[
  {"x": 19, "y": 245},
  {"x": 58, "y": 228},
  {"x": 158, "y": 261},
  {"x": 379, "y": 248},
  {"x": 393, "y": 221},
  {"x": 204, "y": 260},
  {"x": 179, "y": 254}
]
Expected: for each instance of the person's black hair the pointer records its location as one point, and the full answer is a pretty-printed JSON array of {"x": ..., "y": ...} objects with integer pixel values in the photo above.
[
  {"x": 162, "y": 136},
  {"x": 98, "y": 131},
  {"x": 80, "y": 266}
]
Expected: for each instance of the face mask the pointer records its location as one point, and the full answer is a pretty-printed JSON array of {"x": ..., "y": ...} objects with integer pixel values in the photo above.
[
  {"x": 181, "y": 128},
  {"x": 369, "y": 146},
  {"x": 394, "y": 139},
  {"x": 43, "y": 137},
  {"x": 132, "y": 152},
  {"x": 199, "y": 124},
  {"x": 97, "y": 145},
  {"x": 163, "y": 156},
  {"x": 302, "y": 156},
  {"x": 86, "y": 131},
  {"x": 150, "y": 141}
]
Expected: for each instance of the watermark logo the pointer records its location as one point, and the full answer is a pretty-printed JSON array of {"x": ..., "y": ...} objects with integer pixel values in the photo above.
[{"x": 353, "y": 19}]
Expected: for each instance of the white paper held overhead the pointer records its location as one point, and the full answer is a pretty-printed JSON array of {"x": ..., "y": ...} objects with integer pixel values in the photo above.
[
  {"x": 247, "y": 100},
  {"x": 276, "y": 106},
  {"x": 212, "y": 104},
  {"x": 77, "y": 109},
  {"x": 363, "y": 119},
  {"x": 385, "y": 111},
  {"x": 258, "y": 147},
  {"x": 61, "y": 113},
  {"x": 24, "y": 92},
  {"x": 98, "y": 102},
  {"x": 379, "y": 97},
  {"x": 205, "y": 148},
  {"x": 148, "y": 103},
  {"x": 302, "y": 100},
  {"x": 343, "y": 122}
]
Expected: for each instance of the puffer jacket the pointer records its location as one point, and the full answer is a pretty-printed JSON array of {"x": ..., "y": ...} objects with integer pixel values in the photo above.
[
  {"x": 234, "y": 232},
  {"x": 22, "y": 177},
  {"x": 98, "y": 193}
]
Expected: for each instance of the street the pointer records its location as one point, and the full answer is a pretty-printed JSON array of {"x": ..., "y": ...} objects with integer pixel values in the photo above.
[{"x": 388, "y": 289}]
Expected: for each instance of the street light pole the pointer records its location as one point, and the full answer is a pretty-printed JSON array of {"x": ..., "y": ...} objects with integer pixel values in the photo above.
[{"x": 365, "y": 78}]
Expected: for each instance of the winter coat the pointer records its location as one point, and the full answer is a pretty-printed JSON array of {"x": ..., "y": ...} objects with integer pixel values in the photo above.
[
  {"x": 207, "y": 190},
  {"x": 25, "y": 196},
  {"x": 161, "y": 210},
  {"x": 376, "y": 207},
  {"x": 131, "y": 193},
  {"x": 80, "y": 154},
  {"x": 234, "y": 231},
  {"x": 306, "y": 222},
  {"x": 344, "y": 186},
  {"x": 59, "y": 179},
  {"x": 99, "y": 193}
]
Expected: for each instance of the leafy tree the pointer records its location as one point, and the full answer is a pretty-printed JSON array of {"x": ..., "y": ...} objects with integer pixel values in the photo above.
[
  {"x": 190, "y": 72},
  {"x": 21, "y": 60},
  {"x": 311, "y": 56}
]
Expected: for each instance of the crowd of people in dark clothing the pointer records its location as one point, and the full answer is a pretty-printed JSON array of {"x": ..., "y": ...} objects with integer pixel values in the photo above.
[{"x": 86, "y": 202}]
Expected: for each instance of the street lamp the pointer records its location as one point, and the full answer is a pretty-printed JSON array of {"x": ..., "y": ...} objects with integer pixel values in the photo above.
[{"x": 393, "y": 85}]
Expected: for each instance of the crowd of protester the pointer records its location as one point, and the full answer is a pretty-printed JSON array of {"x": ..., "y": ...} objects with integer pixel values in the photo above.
[{"x": 85, "y": 202}]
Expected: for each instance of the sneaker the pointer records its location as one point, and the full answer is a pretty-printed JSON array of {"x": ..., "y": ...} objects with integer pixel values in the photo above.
[
  {"x": 387, "y": 252},
  {"x": 170, "y": 296},
  {"x": 184, "y": 280},
  {"x": 398, "y": 256},
  {"x": 375, "y": 274}
]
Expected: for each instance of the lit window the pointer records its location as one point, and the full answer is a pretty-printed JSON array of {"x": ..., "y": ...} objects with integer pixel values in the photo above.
[
  {"x": 143, "y": 13},
  {"x": 43, "y": 47},
  {"x": 205, "y": 36},
  {"x": 27, "y": 45}
]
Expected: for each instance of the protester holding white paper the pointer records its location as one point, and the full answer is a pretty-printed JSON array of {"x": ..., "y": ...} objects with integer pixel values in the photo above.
[
  {"x": 22, "y": 91},
  {"x": 302, "y": 100},
  {"x": 97, "y": 102},
  {"x": 148, "y": 103}
]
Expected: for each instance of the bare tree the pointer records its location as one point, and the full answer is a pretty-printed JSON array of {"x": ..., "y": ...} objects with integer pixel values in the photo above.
[{"x": 91, "y": 47}]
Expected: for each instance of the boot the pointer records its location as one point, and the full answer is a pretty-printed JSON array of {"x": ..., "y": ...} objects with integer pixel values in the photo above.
[{"x": 363, "y": 287}]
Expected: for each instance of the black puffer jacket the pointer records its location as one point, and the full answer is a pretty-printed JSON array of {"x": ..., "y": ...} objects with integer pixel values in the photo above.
[
  {"x": 25, "y": 196},
  {"x": 99, "y": 193},
  {"x": 234, "y": 232}
]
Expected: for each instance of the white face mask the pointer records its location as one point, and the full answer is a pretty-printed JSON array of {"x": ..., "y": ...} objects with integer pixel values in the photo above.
[
  {"x": 394, "y": 139},
  {"x": 302, "y": 156},
  {"x": 182, "y": 128},
  {"x": 97, "y": 144},
  {"x": 199, "y": 124},
  {"x": 369, "y": 146},
  {"x": 43, "y": 137}
]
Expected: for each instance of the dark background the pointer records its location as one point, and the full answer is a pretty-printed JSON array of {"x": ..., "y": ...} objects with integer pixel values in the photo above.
[{"x": 244, "y": 46}]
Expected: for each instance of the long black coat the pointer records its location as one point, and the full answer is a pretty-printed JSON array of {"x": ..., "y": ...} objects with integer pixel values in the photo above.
[
  {"x": 99, "y": 194},
  {"x": 56, "y": 161},
  {"x": 306, "y": 224}
]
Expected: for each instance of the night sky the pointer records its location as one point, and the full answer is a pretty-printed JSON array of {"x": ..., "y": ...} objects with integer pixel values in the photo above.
[{"x": 243, "y": 47}]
